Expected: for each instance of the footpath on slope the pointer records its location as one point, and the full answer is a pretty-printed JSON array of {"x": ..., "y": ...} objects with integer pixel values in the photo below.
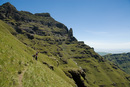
[{"x": 20, "y": 77}]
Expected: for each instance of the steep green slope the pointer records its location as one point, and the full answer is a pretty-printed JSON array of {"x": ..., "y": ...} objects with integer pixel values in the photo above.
[
  {"x": 72, "y": 61},
  {"x": 98, "y": 71},
  {"x": 122, "y": 60},
  {"x": 18, "y": 69}
]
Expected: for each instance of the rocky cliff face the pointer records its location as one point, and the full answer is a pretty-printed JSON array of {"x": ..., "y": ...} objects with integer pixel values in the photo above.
[
  {"x": 36, "y": 27},
  {"x": 51, "y": 38}
]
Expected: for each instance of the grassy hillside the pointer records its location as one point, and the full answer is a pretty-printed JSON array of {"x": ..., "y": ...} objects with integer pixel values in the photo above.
[
  {"x": 63, "y": 61},
  {"x": 18, "y": 69},
  {"x": 122, "y": 60},
  {"x": 98, "y": 71}
]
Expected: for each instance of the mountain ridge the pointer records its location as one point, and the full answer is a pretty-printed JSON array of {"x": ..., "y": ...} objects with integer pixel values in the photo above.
[
  {"x": 73, "y": 62},
  {"x": 122, "y": 60}
]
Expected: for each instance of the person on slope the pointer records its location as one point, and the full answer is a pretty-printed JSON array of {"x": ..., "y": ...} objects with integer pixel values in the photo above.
[{"x": 36, "y": 55}]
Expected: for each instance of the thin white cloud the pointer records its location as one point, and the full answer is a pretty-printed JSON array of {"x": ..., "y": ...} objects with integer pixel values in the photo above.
[{"x": 108, "y": 46}]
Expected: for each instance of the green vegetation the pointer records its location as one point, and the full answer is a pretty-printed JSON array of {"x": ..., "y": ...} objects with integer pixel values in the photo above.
[
  {"x": 18, "y": 68},
  {"x": 122, "y": 60},
  {"x": 62, "y": 62}
]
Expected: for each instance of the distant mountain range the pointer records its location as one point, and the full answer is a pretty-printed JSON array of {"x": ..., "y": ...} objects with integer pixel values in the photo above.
[
  {"x": 122, "y": 60},
  {"x": 63, "y": 61}
]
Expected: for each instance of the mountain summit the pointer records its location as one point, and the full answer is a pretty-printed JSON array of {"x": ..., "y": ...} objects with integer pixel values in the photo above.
[
  {"x": 63, "y": 61},
  {"x": 7, "y": 10}
]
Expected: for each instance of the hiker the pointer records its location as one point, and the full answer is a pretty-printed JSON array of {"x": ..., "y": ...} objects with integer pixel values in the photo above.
[{"x": 36, "y": 55}]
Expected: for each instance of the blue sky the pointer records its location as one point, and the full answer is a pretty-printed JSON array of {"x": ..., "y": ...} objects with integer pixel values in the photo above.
[{"x": 102, "y": 24}]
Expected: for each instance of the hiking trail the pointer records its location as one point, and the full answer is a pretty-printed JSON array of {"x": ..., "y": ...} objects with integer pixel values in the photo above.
[{"x": 20, "y": 77}]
